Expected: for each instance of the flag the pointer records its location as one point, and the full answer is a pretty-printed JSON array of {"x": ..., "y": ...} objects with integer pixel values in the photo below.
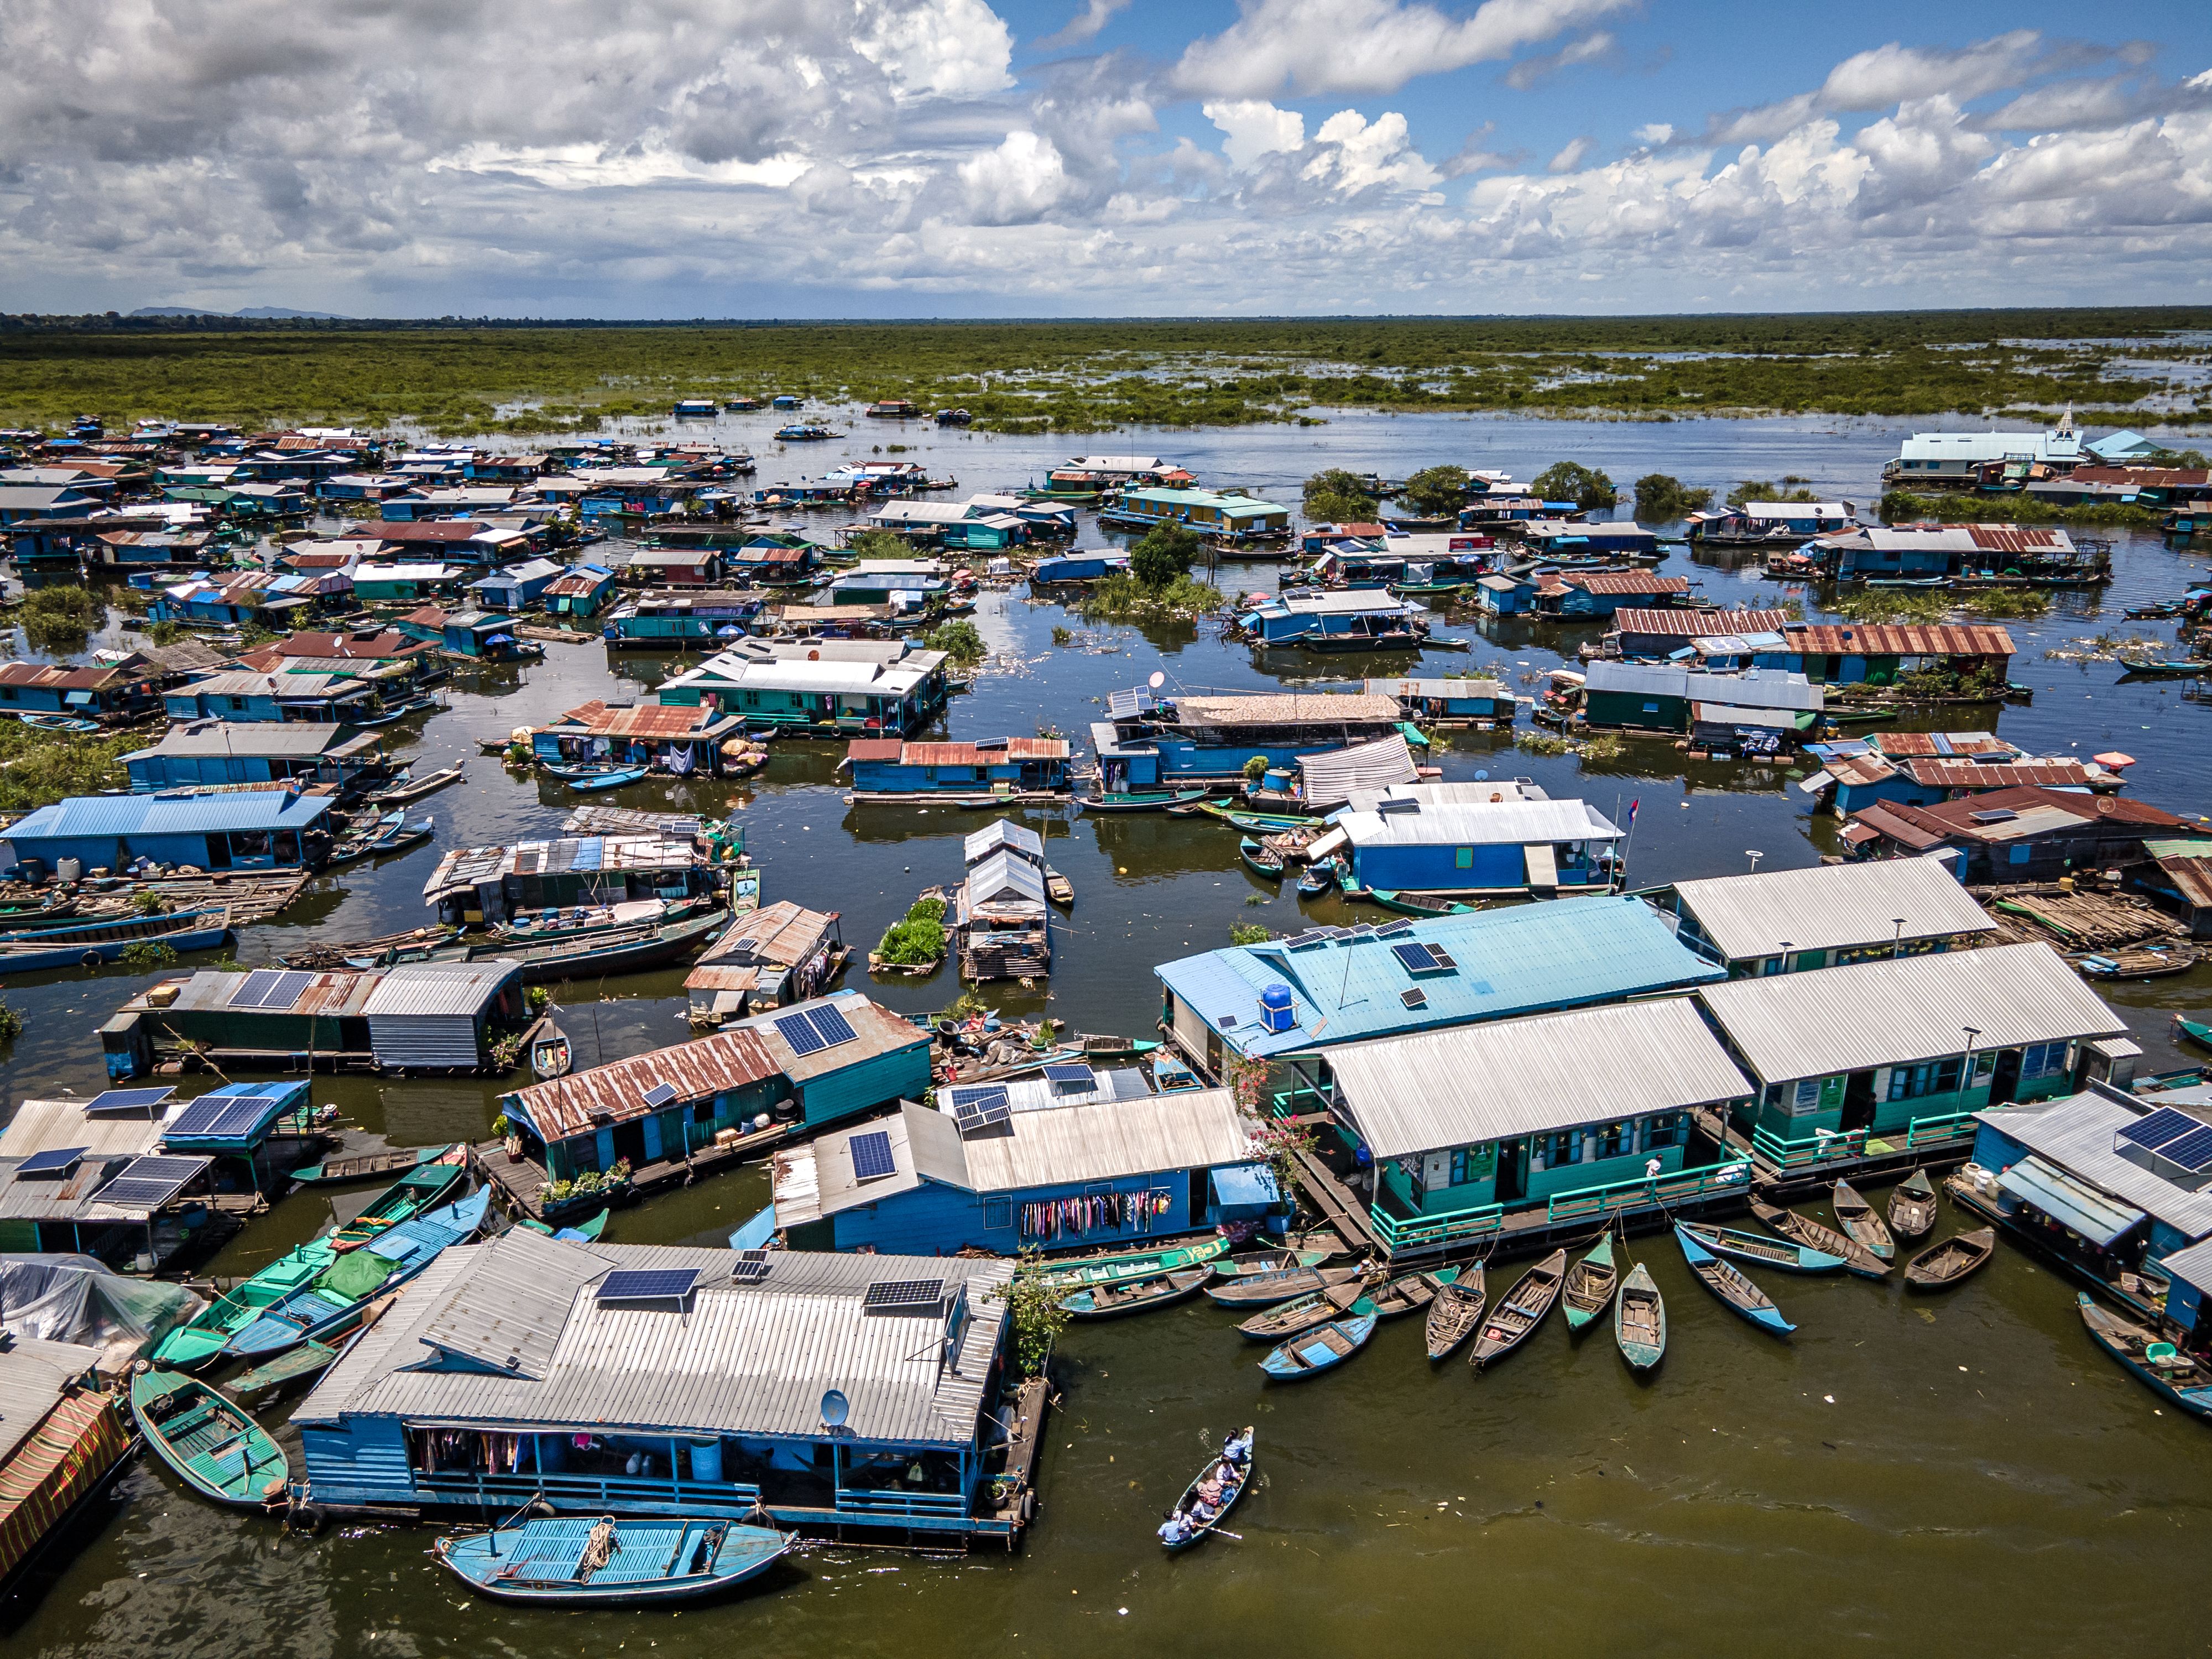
[{"x": 1632, "y": 806}]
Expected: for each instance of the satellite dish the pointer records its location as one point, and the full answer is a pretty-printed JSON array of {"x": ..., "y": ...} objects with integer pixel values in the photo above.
[
  {"x": 836, "y": 1408},
  {"x": 1157, "y": 680}
]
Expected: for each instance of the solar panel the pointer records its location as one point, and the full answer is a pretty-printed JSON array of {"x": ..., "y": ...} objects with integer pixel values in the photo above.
[
  {"x": 270, "y": 988},
  {"x": 750, "y": 1267},
  {"x": 981, "y": 1109},
  {"x": 1416, "y": 998},
  {"x": 977, "y": 1095},
  {"x": 149, "y": 1182},
  {"x": 1443, "y": 957},
  {"x": 2161, "y": 1126},
  {"x": 1068, "y": 1073},
  {"x": 222, "y": 1115},
  {"x": 832, "y": 1027},
  {"x": 1414, "y": 958},
  {"x": 1394, "y": 929},
  {"x": 659, "y": 1095},
  {"x": 134, "y": 1101},
  {"x": 1307, "y": 940},
  {"x": 799, "y": 1031},
  {"x": 648, "y": 1284},
  {"x": 58, "y": 1161},
  {"x": 872, "y": 1156},
  {"x": 2193, "y": 1151},
  {"x": 906, "y": 1295}
]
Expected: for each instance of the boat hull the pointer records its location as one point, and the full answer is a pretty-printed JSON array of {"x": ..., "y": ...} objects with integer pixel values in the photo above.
[{"x": 488, "y": 1563}]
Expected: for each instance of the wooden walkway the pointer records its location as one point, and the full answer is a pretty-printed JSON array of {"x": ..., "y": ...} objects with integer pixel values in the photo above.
[
  {"x": 1339, "y": 1206},
  {"x": 523, "y": 1181}
]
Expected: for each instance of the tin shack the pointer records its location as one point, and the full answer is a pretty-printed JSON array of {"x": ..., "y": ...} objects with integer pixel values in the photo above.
[{"x": 1828, "y": 915}]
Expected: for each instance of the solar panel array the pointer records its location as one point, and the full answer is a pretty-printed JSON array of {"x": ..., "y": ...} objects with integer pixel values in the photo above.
[
  {"x": 980, "y": 1107},
  {"x": 814, "y": 1029},
  {"x": 1414, "y": 958},
  {"x": 1068, "y": 1073},
  {"x": 1394, "y": 929},
  {"x": 134, "y": 1101},
  {"x": 648, "y": 1284},
  {"x": 872, "y": 1156},
  {"x": 223, "y": 1115},
  {"x": 2161, "y": 1126},
  {"x": 2193, "y": 1151},
  {"x": 905, "y": 1295},
  {"x": 53, "y": 1162},
  {"x": 270, "y": 988},
  {"x": 149, "y": 1182},
  {"x": 750, "y": 1267},
  {"x": 832, "y": 1026}
]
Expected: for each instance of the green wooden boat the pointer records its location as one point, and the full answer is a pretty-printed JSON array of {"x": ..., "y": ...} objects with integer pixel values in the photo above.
[
  {"x": 308, "y": 1359},
  {"x": 1257, "y": 823},
  {"x": 422, "y": 1188},
  {"x": 1140, "y": 800},
  {"x": 582, "y": 1233},
  {"x": 1859, "y": 716},
  {"x": 1135, "y": 1295},
  {"x": 1416, "y": 904},
  {"x": 366, "y": 1166},
  {"x": 215, "y": 1447},
  {"x": 1268, "y": 1261},
  {"x": 1123, "y": 1267},
  {"x": 1639, "y": 1321},
  {"x": 1590, "y": 1284},
  {"x": 2193, "y": 1030}
]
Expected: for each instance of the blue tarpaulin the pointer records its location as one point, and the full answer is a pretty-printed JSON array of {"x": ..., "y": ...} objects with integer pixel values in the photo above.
[{"x": 756, "y": 1232}]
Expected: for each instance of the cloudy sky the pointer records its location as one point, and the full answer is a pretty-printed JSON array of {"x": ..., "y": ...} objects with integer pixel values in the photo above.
[{"x": 841, "y": 158}]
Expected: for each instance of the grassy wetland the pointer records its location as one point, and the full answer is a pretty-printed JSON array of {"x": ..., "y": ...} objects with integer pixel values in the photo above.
[{"x": 458, "y": 378}]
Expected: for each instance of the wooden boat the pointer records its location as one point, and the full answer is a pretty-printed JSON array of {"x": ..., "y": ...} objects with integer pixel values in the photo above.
[
  {"x": 592, "y": 954},
  {"x": 1323, "y": 1348},
  {"x": 92, "y": 943},
  {"x": 391, "y": 716},
  {"x": 1147, "y": 800},
  {"x": 1912, "y": 1206},
  {"x": 2191, "y": 1030},
  {"x": 1261, "y": 857},
  {"x": 361, "y": 841},
  {"x": 612, "y": 778},
  {"x": 214, "y": 1447},
  {"x": 337, "y": 1171},
  {"x": 1302, "y": 1313},
  {"x": 1731, "y": 1284},
  {"x": 2166, "y": 670},
  {"x": 1257, "y": 823},
  {"x": 418, "y": 1190},
  {"x": 1135, "y": 1295},
  {"x": 1416, "y": 904},
  {"x": 1790, "y": 1257},
  {"x": 550, "y": 1055},
  {"x": 1940, "y": 1266},
  {"x": 1267, "y": 1261},
  {"x": 1455, "y": 1312},
  {"x": 582, "y": 1233},
  {"x": 57, "y": 723},
  {"x": 308, "y": 1359},
  {"x": 1264, "y": 1289},
  {"x": 1590, "y": 1284},
  {"x": 1860, "y": 1221},
  {"x": 1814, "y": 1236},
  {"x": 1520, "y": 1311},
  {"x": 1059, "y": 888},
  {"x": 2135, "y": 961},
  {"x": 2181, "y": 1379},
  {"x": 574, "y": 1561},
  {"x": 1120, "y": 1266},
  {"x": 414, "y": 788},
  {"x": 1639, "y": 1320},
  {"x": 1409, "y": 1293},
  {"x": 1206, "y": 1505}
]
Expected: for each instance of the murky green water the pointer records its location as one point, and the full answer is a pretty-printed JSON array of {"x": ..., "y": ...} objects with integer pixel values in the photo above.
[{"x": 1962, "y": 1473}]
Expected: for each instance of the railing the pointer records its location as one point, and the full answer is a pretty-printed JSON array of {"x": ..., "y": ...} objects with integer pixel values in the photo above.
[
  {"x": 1640, "y": 1190},
  {"x": 1772, "y": 1149},
  {"x": 584, "y": 1490},
  {"x": 1948, "y": 1125},
  {"x": 852, "y": 1502},
  {"x": 1397, "y": 1234}
]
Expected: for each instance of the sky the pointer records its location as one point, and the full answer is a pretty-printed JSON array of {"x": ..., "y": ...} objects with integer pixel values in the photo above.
[{"x": 1100, "y": 158}]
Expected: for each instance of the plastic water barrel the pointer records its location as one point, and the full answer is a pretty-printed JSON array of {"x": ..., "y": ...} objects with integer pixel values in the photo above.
[{"x": 706, "y": 1459}]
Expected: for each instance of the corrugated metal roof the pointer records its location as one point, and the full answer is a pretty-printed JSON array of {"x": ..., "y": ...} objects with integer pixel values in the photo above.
[
  {"x": 1001, "y": 874},
  {"x": 325, "y": 995},
  {"x": 2192, "y": 1266},
  {"x": 1903, "y": 1012},
  {"x": 1448, "y": 794},
  {"x": 876, "y": 1030},
  {"x": 616, "y": 1093},
  {"x": 439, "y": 988},
  {"x": 1831, "y": 906},
  {"x": 2076, "y": 1135},
  {"x": 1944, "y": 744},
  {"x": 1315, "y": 708},
  {"x": 648, "y": 720},
  {"x": 1343, "y": 602},
  {"x": 1328, "y": 779},
  {"x": 1906, "y": 639},
  {"x": 1445, "y": 687},
  {"x": 749, "y": 1359},
  {"x": 34, "y": 1377},
  {"x": 783, "y": 935},
  {"x": 969, "y": 754},
  {"x": 1464, "y": 823},
  {"x": 1518, "y": 1077},
  {"x": 1752, "y": 690},
  {"x": 1623, "y": 581},
  {"x": 243, "y": 683},
  {"x": 47, "y": 1126},
  {"x": 92, "y": 817},
  {"x": 1689, "y": 625},
  {"x": 1002, "y": 833},
  {"x": 289, "y": 740},
  {"x": 1970, "y": 774},
  {"x": 2187, "y": 864},
  {"x": 71, "y": 679}
]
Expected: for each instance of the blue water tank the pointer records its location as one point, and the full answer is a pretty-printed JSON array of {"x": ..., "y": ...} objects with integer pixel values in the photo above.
[{"x": 1275, "y": 1011}]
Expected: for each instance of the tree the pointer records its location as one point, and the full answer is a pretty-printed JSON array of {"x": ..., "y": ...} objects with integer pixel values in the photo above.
[
  {"x": 1661, "y": 499},
  {"x": 1436, "y": 492},
  {"x": 958, "y": 638},
  {"x": 1164, "y": 554},
  {"x": 879, "y": 545},
  {"x": 1336, "y": 496},
  {"x": 1571, "y": 481},
  {"x": 1765, "y": 489}
]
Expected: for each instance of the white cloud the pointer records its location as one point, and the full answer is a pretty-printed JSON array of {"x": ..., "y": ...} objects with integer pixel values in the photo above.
[
  {"x": 1530, "y": 70},
  {"x": 937, "y": 48},
  {"x": 1365, "y": 45},
  {"x": 1019, "y": 181},
  {"x": 1654, "y": 132},
  {"x": 1571, "y": 157},
  {"x": 1354, "y": 153},
  {"x": 1254, "y": 128},
  {"x": 1085, "y": 24}
]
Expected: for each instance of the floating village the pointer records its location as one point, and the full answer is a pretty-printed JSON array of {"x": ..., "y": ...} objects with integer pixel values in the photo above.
[{"x": 1514, "y": 1090}]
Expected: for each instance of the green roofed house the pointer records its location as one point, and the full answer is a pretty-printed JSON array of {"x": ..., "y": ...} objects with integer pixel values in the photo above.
[{"x": 1234, "y": 518}]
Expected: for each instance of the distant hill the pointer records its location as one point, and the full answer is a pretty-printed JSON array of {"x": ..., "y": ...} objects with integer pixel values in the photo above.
[{"x": 278, "y": 312}]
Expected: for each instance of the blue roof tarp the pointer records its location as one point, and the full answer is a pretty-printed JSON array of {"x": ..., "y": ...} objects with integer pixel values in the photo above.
[
  {"x": 2075, "y": 1204},
  {"x": 1243, "y": 1184}
]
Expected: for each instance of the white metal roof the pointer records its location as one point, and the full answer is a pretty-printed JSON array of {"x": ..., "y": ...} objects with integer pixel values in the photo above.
[
  {"x": 1001, "y": 832},
  {"x": 51, "y": 1126},
  {"x": 1516, "y": 1076},
  {"x": 1831, "y": 906},
  {"x": 1899, "y": 1012},
  {"x": 439, "y": 987},
  {"x": 1335, "y": 776},
  {"x": 2076, "y": 1133},
  {"x": 1464, "y": 824}
]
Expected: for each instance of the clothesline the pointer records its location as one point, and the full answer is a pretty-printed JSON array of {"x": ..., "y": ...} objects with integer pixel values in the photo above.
[{"x": 1055, "y": 1218}]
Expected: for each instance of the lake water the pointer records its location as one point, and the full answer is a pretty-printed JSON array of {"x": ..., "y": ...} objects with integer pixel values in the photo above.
[{"x": 1966, "y": 1470}]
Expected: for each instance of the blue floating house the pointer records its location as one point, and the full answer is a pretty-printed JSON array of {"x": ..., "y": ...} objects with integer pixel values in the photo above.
[
  {"x": 1497, "y": 848},
  {"x": 234, "y": 1121},
  {"x": 582, "y": 590},
  {"x": 671, "y": 621},
  {"x": 28, "y": 688},
  {"x": 1210, "y": 513},
  {"x": 484, "y": 637},
  {"x": 64, "y": 1164},
  {"x": 518, "y": 587},
  {"x": 823, "y": 1390},
  {"x": 1829, "y": 915},
  {"x": 1450, "y": 699},
  {"x": 1559, "y": 538},
  {"x": 1087, "y": 567},
  {"x": 245, "y": 695},
  {"x": 242, "y": 830},
  {"x": 1336, "y": 619},
  {"x": 824, "y": 686},
  {"x": 1001, "y": 1169},
  {"x": 216, "y": 752},
  {"x": 1348, "y": 984},
  {"x": 1155, "y": 741},
  {"x": 1005, "y": 768}
]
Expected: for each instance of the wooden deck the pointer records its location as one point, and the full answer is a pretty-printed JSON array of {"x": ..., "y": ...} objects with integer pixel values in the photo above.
[
  {"x": 522, "y": 1180},
  {"x": 1339, "y": 1205}
]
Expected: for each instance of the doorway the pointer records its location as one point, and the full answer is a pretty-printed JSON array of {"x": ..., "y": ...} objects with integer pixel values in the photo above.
[
  {"x": 1858, "y": 1102},
  {"x": 1512, "y": 1170},
  {"x": 2004, "y": 1081},
  {"x": 630, "y": 1142}
]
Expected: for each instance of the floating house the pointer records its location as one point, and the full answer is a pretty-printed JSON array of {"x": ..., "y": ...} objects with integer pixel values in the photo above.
[
  {"x": 1863, "y": 653},
  {"x": 1537, "y": 848},
  {"x": 63, "y": 1441},
  {"x": 1093, "y": 566},
  {"x": 1649, "y": 635},
  {"x": 890, "y": 770},
  {"x": 2020, "y": 835},
  {"x": 1074, "y": 1173},
  {"x": 458, "y": 501},
  {"x": 1859, "y": 773},
  {"x": 1337, "y": 619},
  {"x": 1152, "y": 742},
  {"x": 1225, "y": 517},
  {"x": 2134, "y": 486},
  {"x": 1659, "y": 697},
  {"x": 1788, "y": 921},
  {"x": 247, "y": 697},
  {"x": 1349, "y": 984},
  {"x": 1768, "y": 523},
  {"x": 407, "y": 584},
  {"x": 582, "y": 590},
  {"x": 778, "y": 954},
  {"x": 771, "y": 559},
  {"x": 213, "y": 753},
  {"x": 241, "y": 829},
  {"x": 516, "y": 588},
  {"x": 666, "y": 621},
  {"x": 416, "y": 1017},
  {"x": 1574, "y": 595},
  {"x": 808, "y": 1387},
  {"x": 477, "y": 884},
  {"x": 824, "y": 686},
  {"x": 952, "y": 526},
  {"x": 811, "y": 1064},
  {"x": 149, "y": 549},
  {"x": 1568, "y": 538},
  {"x": 1000, "y": 924},
  {"x": 905, "y": 585},
  {"x": 1331, "y": 778},
  {"x": 60, "y": 1162},
  {"x": 1467, "y": 1125},
  {"x": 255, "y": 596},
  {"x": 686, "y": 741},
  {"x": 1506, "y": 511},
  {"x": 123, "y": 692},
  {"x": 1390, "y": 558},
  {"x": 2177, "y": 876},
  {"x": 1957, "y": 457},
  {"x": 1892, "y": 1047},
  {"x": 674, "y": 567},
  {"x": 1089, "y": 475},
  {"x": 1450, "y": 700}
]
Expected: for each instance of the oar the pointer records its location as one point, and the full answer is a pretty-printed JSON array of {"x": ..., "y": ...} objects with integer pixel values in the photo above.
[{"x": 1224, "y": 1532}]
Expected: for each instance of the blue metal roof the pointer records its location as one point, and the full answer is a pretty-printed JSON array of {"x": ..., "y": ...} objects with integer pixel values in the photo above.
[
  {"x": 1349, "y": 984},
  {"x": 82, "y": 817}
]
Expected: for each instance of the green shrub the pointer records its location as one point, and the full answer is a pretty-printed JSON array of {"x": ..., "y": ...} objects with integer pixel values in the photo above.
[
  {"x": 11, "y": 1024},
  {"x": 1764, "y": 489},
  {"x": 1571, "y": 481},
  {"x": 1249, "y": 933},
  {"x": 959, "y": 640},
  {"x": 144, "y": 955},
  {"x": 1164, "y": 555},
  {"x": 1124, "y": 599},
  {"x": 911, "y": 943}
]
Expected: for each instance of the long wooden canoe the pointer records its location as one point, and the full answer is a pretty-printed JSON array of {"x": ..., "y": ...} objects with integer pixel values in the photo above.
[
  {"x": 1912, "y": 1206},
  {"x": 1520, "y": 1311},
  {"x": 1942, "y": 1265},
  {"x": 1859, "y": 1220},
  {"x": 1247, "y": 1262},
  {"x": 1206, "y": 1507},
  {"x": 1302, "y": 1313},
  {"x": 1409, "y": 1293},
  {"x": 1759, "y": 1249},
  {"x": 1456, "y": 1311},
  {"x": 1263, "y": 1290},
  {"x": 2181, "y": 1379},
  {"x": 1815, "y": 1235},
  {"x": 1112, "y": 1301},
  {"x": 1590, "y": 1284},
  {"x": 1730, "y": 1284},
  {"x": 1321, "y": 1350},
  {"x": 1120, "y": 1266},
  {"x": 1639, "y": 1321},
  {"x": 213, "y": 1446}
]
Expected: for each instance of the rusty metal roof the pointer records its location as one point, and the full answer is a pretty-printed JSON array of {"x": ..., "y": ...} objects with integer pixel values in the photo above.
[
  {"x": 782, "y": 933},
  {"x": 1908, "y": 639},
  {"x": 1700, "y": 625},
  {"x": 1900, "y": 745},
  {"x": 638, "y": 720},
  {"x": 874, "y": 749},
  {"x": 2015, "y": 538},
  {"x": 1975, "y": 774},
  {"x": 2187, "y": 864},
  {"x": 74, "y": 679},
  {"x": 582, "y": 1101},
  {"x": 1623, "y": 581},
  {"x": 959, "y": 754}
]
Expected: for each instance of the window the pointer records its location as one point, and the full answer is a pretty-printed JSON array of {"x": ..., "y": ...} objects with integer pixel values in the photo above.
[
  {"x": 1612, "y": 1140},
  {"x": 1662, "y": 1131},
  {"x": 752, "y": 699},
  {"x": 237, "y": 702},
  {"x": 9, "y": 692},
  {"x": 1937, "y": 1077},
  {"x": 703, "y": 1112},
  {"x": 2018, "y": 853},
  {"x": 998, "y": 1213},
  {"x": 2042, "y": 1060},
  {"x": 1809, "y": 1095},
  {"x": 1650, "y": 708},
  {"x": 1463, "y": 859},
  {"x": 1558, "y": 1150}
]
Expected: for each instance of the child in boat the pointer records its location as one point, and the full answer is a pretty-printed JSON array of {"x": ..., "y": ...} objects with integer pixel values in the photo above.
[{"x": 1237, "y": 1452}]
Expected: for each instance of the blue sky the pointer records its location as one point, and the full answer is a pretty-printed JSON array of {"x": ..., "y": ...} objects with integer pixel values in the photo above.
[{"x": 680, "y": 158}]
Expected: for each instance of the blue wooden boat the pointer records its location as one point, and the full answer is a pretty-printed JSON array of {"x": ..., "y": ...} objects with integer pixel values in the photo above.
[
  {"x": 1205, "y": 1502},
  {"x": 578, "y": 1562},
  {"x": 1731, "y": 1285},
  {"x": 1112, "y": 1301},
  {"x": 1788, "y": 1255},
  {"x": 1324, "y": 1348},
  {"x": 598, "y": 777},
  {"x": 95, "y": 942},
  {"x": 1264, "y": 859},
  {"x": 391, "y": 716},
  {"x": 57, "y": 723},
  {"x": 211, "y": 1445},
  {"x": 2164, "y": 1367}
]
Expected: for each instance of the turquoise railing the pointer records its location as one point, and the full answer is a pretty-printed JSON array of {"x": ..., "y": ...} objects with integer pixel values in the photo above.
[
  {"x": 1772, "y": 1149},
  {"x": 853, "y": 1502},
  {"x": 1735, "y": 1174},
  {"x": 1948, "y": 1125},
  {"x": 1403, "y": 1232},
  {"x": 585, "y": 1491}
]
